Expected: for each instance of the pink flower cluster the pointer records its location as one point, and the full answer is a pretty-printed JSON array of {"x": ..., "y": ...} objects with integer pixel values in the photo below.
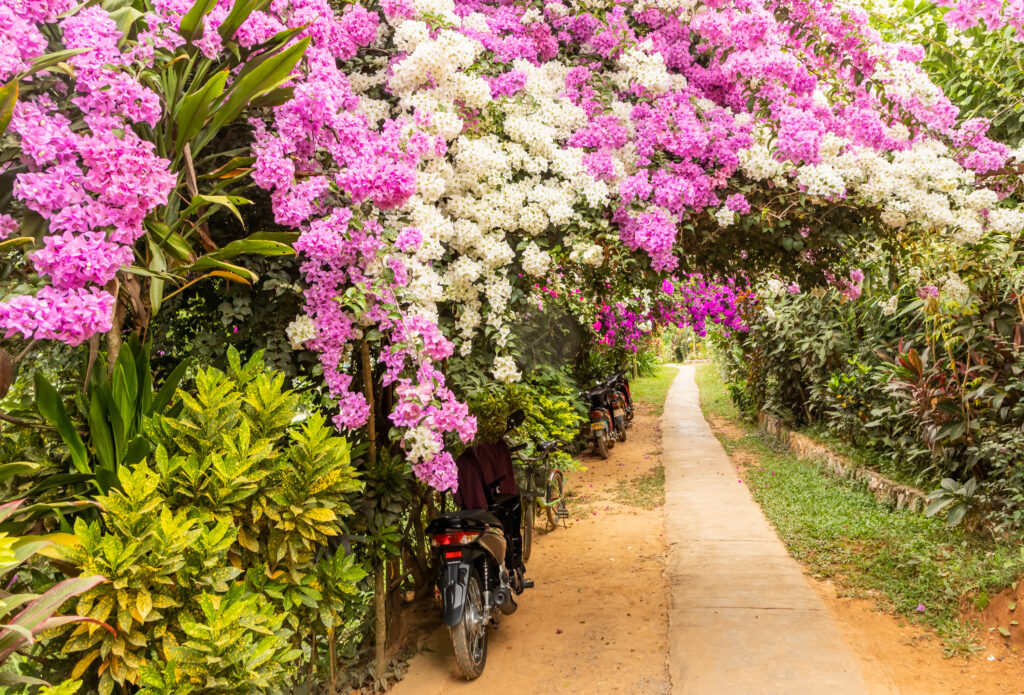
[
  {"x": 93, "y": 183},
  {"x": 994, "y": 14},
  {"x": 684, "y": 301},
  {"x": 320, "y": 158}
]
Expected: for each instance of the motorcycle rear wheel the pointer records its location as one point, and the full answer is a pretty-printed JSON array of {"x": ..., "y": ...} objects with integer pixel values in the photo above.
[
  {"x": 620, "y": 427},
  {"x": 469, "y": 635},
  {"x": 601, "y": 446}
]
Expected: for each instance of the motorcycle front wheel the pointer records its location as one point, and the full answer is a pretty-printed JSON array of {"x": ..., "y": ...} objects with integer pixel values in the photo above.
[
  {"x": 601, "y": 445},
  {"x": 469, "y": 635}
]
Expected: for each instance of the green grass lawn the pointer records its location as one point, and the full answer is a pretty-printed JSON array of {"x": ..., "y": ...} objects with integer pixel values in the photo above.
[
  {"x": 653, "y": 389},
  {"x": 922, "y": 569}
]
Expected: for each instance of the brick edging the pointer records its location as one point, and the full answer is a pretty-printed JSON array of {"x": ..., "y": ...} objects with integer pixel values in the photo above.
[{"x": 884, "y": 489}]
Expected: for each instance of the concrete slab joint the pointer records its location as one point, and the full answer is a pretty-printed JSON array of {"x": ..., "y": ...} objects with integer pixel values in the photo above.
[{"x": 742, "y": 617}]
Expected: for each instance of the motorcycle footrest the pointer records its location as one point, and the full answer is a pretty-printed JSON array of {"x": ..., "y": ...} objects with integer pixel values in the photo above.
[{"x": 527, "y": 583}]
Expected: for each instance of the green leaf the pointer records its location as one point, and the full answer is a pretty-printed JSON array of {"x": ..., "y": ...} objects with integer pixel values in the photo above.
[
  {"x": 16, "y": 241},
  {"x": 136, "y": 450},
  {"x": 231, "y": 169},
  {"x": 267, "y": 75},
  {"x": 125, "y": 17},
  {"x": 191, "y": 27},
  {"x": 195, "y": 108},
  {"x": 165, "y": 238},
  {"x": 956, "y": 514},
  {"x": 166, "y": 392},
  {"x": 8, "y": 98},
  {"x": 231, "y": 202},
  {"x": 280, "y": 237},
  {"x": 207, "y": 263},
  {"x": 99, "y": 432},
  {"x": 48, "y": 60},
  {"x": 253, "y": 246},
  {"x": 52, "y": 408},
  {"x": 9, "y": 470}
]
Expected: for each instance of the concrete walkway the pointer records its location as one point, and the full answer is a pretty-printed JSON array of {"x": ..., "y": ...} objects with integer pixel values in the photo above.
[{"x": 742, "y": 617}]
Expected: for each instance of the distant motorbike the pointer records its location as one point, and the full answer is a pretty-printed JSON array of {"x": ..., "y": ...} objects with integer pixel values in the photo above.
[
  {"x": 621, "y": 401},
  {"x": 479, "y": 549},
  {"x": 621, "y": 383},
  {"x": 601, "y": 403}
]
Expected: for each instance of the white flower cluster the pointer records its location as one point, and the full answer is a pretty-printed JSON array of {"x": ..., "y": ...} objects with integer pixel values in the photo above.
[
  {"x": 586, "y": 252},
  {"x": 300, "y": 330},
  {"x": 821, "y": 181},
  {"x": 922, "y": 185},
  {"x": 505, "y": 370},
  {"x": 906, "y": 81},
  {"x": 759, "y": 163},
  {"x": 890, "y": 306},
  {"x": 535, "y": 261},
  {"x": 724, "y": 216},
  {"x": 645, "y": 66},
  {"x": 955, "y": 290},
  {"x": 421, "y": 444},
  {"x": 775, "y": 287},
  {"x": 500, "y": 180}
]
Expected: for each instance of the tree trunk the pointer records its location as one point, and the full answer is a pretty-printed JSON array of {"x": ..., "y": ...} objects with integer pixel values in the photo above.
[
  {"x": 116, "y": 326},
  {"x": 380, "y": 601},
  {"x": 332, "y": 661},
  {"x": 371, "y": 429}
]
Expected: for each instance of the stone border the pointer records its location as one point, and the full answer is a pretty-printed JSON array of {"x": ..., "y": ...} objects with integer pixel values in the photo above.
[{"x": 884, "y": 489}]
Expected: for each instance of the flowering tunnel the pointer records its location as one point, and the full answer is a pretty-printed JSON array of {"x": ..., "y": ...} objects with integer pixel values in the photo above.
[
  {"x": 409, "y": 205},
  {"x": 437, "y": 166}
]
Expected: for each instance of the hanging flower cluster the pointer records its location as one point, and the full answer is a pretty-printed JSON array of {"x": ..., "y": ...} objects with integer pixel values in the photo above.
[
  {"x": 92, "y": 183},
  {"x": 689, "y": 301}
]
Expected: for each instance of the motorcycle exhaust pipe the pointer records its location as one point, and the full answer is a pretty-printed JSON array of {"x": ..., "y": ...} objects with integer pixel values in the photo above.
[{"x": 504, "y": 601}]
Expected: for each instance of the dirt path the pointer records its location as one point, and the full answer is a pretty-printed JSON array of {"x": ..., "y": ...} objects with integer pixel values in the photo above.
[{"x": 596, "y": 621}]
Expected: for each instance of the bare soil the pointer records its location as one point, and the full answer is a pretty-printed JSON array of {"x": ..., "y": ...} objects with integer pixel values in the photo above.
[
  {"x": 596, "y": 622},
  {"x": 900, "y": 658}
]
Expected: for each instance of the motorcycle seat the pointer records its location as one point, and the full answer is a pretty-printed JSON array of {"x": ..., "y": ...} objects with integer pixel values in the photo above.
[
  {"x": 481, "y": 515},
  {"x": 545, "y": 447}
]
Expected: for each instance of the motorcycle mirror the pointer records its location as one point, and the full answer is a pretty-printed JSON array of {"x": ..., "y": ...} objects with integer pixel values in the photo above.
[{"x": 515, "y": 418}]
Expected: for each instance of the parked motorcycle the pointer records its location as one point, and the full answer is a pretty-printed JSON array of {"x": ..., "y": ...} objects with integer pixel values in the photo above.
[
  {"x": 479, "y": 550},
  {"x": 603, "y": 432},
  {"x": 621, "y": 401},
  {"x": 620, "y": 382}
]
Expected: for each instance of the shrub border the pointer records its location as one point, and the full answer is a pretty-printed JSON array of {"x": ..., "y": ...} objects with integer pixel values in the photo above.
[{"x": 884, "y": 489}]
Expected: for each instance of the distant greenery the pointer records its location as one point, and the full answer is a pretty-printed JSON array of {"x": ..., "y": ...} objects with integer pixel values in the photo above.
[
  {"x": 653, "y": 390},
  {"x": 924, "y": 570}
]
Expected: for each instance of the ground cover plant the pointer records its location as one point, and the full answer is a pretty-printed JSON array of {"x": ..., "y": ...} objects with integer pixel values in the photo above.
[
  {"x": 267, "y": 266},
  {"x": 653, "y": 389},
  {"x": 922, "y": 569}
]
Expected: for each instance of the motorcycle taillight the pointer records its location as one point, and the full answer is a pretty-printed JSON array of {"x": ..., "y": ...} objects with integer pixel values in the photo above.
[{"x": 454, "y": 538}]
